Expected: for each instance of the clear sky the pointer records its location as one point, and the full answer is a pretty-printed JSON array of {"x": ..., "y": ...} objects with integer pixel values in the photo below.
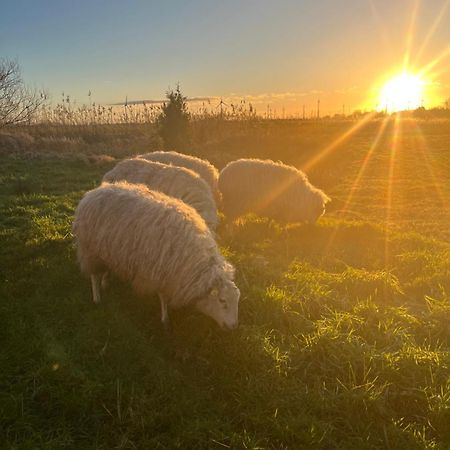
[{"x": 285, "y": 52}]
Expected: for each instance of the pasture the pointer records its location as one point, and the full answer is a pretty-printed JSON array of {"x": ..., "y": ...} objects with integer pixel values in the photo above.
[{"x": 344, "y": 326}]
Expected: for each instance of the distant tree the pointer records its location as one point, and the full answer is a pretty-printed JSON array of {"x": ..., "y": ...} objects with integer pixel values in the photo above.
[
  {"x": 18, "y": 103},
  {"x": 173, "y": 122}
]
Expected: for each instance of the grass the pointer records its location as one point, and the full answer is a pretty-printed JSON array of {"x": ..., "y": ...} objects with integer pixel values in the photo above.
[{"x": 344, "y": 326}]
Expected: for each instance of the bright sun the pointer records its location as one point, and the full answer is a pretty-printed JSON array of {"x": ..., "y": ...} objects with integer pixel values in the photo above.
[{"x": 402, "y": 92}]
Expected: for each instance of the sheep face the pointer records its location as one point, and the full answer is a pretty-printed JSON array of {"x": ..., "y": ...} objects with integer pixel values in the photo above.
[
  {"x": 222, "y": 304},
  {"x": 318, "y": 202},
  {"x": 316, "y": 212}
]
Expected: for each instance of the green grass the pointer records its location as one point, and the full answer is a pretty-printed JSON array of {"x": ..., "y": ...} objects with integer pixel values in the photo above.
[{"x": 344, "y": 326}]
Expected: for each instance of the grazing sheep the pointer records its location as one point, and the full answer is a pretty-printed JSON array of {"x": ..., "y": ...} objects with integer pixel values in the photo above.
[
  {"x": 177, "y": 182},
  {"x": 158, "y": 244},
  {"x": 270, "y": 189},
  {"x": 203, "y": 167}
]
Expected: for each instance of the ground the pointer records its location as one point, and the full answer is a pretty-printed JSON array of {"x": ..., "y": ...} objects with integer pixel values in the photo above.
[{"x": 344, "y": 325}]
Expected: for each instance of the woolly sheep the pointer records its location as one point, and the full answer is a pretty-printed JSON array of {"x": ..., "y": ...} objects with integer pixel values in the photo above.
[
  {"x": 177, "y": 182},
  {"x": 203, "y": 167},
  {"x": 270, "y": 189},
  {"x": 158, "y": 244}
]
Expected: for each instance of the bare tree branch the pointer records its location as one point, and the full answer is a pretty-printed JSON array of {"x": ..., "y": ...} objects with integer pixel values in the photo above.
[{"x": 18, "y": 103}]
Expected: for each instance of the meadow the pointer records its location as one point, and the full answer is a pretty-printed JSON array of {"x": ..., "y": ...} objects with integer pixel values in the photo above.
[{"x": 344, "y": 329}]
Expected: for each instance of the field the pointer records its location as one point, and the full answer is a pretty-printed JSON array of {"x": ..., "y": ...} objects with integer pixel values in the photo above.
[{"x": 344, "y": 326}]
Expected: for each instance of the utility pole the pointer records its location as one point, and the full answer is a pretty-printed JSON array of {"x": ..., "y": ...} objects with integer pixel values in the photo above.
[
  {"x": 318, "y": 109},
  {"x": 304, "y": 117}
]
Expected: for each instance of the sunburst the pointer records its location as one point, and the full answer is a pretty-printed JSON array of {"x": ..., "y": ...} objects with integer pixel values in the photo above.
[{"x": 410, "y": 86}]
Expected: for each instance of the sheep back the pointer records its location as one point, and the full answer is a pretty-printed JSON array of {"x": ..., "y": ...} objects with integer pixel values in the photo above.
[
  {"x": 201, "y": 166},
  {"x": 177, "y": 182}
]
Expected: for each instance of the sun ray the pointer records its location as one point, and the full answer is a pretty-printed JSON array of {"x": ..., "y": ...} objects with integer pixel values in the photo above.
[
  {"x": 425, "y": 70},
  {"x": 390, "y": 180},
  {"x": 383, "y": 32},
  {"x": 424, "y": 151},
  {"x": 339, "y": 141},
  {"x": 365, "y": 163},
  {"x": 436, "y": 74},
  {"x": 430, "y": 34},
  {"x": 265, "y": 201},
  {"x": 358, "y": 178},
  {"x": 410, "y": 35}
]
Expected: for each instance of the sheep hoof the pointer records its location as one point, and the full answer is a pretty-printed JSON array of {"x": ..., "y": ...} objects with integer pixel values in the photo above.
[
  {"x": 105, "y": 281},
  {"x": 96, "y": 282},
  {"x": 167, "y": 325}
]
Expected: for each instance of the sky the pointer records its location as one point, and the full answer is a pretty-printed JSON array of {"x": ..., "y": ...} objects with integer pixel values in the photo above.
[{"x": 285, "y": 53}]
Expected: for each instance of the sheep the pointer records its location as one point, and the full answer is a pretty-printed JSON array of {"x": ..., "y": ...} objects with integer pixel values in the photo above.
[
  {"x": 203, "y": 167},
  {"x": 270, "y": 189},
  {"x": 177, "y": 182},
  {"x": 158, "y": 244}
]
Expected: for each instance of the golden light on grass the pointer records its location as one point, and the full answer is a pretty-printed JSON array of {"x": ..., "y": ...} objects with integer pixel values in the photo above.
[
  {"x": 402, "y": 92},
  {"x": 434, "y": 178},
  {"x": 357, "y": 183},
  {"x": 374, "y": 146},
  {"x": 396, "y": 140},
  {"x": 308, "y": 165}
]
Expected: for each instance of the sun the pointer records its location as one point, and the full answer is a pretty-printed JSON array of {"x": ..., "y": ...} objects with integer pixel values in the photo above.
[{"x": 402, "y": 92}]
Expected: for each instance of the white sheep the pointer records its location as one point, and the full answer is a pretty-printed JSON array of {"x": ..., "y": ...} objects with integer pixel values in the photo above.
[
  {"x": 203, "y": 167},
  {"x": 270, "y": 189},
  {"x": 158, "y": 244},
  {"x": 177, "y": 182}
]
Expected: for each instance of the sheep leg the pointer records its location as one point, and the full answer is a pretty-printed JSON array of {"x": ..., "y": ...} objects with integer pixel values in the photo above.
[
  {"x": 105, "y": 280},
  {"x": 286, "y": 240},
  {"x": 96, "y": 281},
  {"x": 164, "y": 314}
]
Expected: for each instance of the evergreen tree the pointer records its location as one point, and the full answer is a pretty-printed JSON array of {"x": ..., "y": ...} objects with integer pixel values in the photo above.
[{"x": 173, "y": 122}]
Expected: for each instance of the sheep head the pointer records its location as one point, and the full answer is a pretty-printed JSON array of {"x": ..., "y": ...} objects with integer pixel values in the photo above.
[{"x": 221, "y": 303}]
